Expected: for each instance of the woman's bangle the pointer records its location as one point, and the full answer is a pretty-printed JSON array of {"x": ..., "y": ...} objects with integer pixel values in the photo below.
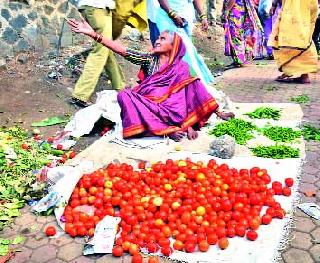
[
  {"x": 97, "y": 37},
  {"x": 172, "y": 14},
  {"x": 203, "y": 16}
]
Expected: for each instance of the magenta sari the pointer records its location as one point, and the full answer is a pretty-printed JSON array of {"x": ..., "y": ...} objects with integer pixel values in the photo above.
[{"x": 167, "y": 101}]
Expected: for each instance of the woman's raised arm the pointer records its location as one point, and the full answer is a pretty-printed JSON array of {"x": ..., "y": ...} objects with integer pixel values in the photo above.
[{"x": 84, "y": 28}]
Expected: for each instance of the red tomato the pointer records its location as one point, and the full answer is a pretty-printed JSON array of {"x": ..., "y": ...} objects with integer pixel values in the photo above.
[
  {"x": 59, "y": 147},
  {"x": 223, "y": 243},
  {"x": 286, "y": 191},
  {"x": 82, "y": 231},
  {"x": 152, "y": 247},
  {"x": 117, "y": 251},
  {"x": 289, "y": 182},
  {"x": 137, "y": 258},
  {"x": 241, "y": 231},
  {"x": 212, "y": 239},
  {"x": 153, "y": 260},
  {"x": 203, "y": 246},
  {"x": 166, "y": 251},
  {"x": 51, "y": 231},
  {"x": 266, "y": 219},
  {"x": 189, "y": 247},
  {"x": 252, "y": 235},
  {"x": 178, "y": 245}
]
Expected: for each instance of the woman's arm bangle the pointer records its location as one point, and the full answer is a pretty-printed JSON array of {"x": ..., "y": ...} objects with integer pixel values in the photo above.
[
  {"x": 172, "y": 14},
  {"x": 203, "y": 16},
  {"x": 97, "y": 37}
]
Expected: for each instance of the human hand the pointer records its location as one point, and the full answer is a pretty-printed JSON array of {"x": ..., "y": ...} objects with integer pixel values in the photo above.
[
  {"x": 80, "y": 27},
  {"x": 204, "y": 24},
  {"x": 178, "y": 21}
]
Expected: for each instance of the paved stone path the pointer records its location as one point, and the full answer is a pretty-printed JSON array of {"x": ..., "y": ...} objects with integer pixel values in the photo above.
[{"x": 250, "y": 84}]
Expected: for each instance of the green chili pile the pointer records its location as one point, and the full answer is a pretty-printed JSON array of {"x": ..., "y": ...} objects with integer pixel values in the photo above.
[
  {"x": 276, "y": 152},
  {"x": 281, "y": 134},
  {"x": 240, "y": 130},
  {"x": 265, "y": 113}
]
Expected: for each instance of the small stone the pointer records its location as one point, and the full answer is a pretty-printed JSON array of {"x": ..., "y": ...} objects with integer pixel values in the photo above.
[
  {"x": 5, "y": 14},
  {"x": 10, "y": 36},
  {"x": 36, "y": 241},
  {"x": 223, "y": 147},
  {"x": 23, "y": 58},
  {"x": 18, "y": 23},
  {"x": 32, "y": 15}
]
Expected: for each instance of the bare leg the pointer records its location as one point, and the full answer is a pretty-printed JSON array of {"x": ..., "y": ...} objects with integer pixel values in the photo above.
[
  {"x": 192, "y": 134},
  {"x": 177, "y": 136}
]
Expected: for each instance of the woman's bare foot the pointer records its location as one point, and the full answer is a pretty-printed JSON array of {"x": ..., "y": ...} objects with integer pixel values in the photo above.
[
  {"x": 192, "y": 134},
  {"x": 225, "y": 115},
  {"x": 177, "y": 136}
]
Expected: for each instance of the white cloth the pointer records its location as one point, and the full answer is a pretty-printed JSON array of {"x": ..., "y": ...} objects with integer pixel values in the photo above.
[{"x": 97, "y": 3}]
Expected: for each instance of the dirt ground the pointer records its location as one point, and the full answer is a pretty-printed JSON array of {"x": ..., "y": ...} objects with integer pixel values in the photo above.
[{"x": 30, "y": 91}]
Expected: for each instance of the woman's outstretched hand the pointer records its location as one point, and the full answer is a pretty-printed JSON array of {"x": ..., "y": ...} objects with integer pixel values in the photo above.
[{"x": 80, "y": 27}]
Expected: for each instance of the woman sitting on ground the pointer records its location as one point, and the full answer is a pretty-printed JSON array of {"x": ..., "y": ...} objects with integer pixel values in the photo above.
[{"x": 169, "y": 100}]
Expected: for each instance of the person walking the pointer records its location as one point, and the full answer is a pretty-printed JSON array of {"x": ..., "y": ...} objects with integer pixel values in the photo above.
[
  {"x": 243, "y": 31},
  {"x": 291, "y": 40},
  {"x": 107, "y": 17}
]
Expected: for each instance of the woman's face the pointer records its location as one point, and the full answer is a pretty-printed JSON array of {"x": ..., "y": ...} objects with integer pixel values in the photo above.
[{"x": 163, "y": 44}]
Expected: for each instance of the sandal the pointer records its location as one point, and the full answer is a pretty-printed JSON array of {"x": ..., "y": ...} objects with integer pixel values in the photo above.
[
  {"x": 285, "y": 78},
  {"x": 233, "y": 65},
  {"x": 79, "y": 103}
]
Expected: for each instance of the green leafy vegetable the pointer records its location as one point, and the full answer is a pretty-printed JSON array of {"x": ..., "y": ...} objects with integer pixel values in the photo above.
[
  {"x": 265, "y": 113},
  {"x": 17, "y": 180},
  {"x": 239, "y": 129},
  {"x": 276, "y": 152},
  {"x": 281, "y": 134},
  {"x": 301, "y": 99},
  {"x": 311, "y": 133}
]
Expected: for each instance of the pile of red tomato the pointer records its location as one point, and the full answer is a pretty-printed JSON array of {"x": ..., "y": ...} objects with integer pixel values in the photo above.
[{"x": 195, "y": 204}]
